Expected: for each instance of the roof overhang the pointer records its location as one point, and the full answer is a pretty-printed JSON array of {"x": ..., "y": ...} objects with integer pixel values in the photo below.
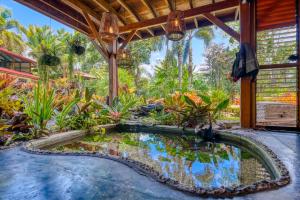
[
  {"x": 146, "y": 17},
  {"x": 8, "y": 56}
]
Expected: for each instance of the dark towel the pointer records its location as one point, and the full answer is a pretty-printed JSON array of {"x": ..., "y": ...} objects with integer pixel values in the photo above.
[{"x": 245, "y": 63}]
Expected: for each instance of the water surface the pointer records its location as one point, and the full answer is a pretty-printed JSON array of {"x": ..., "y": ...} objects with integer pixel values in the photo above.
[{"x": 185, "y": 158}]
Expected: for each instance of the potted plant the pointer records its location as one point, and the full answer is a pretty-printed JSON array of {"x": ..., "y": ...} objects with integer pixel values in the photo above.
[
  {"x": 77, "y": 49},
  {"x": 49, "y": 59},
  {"x": 76, "y": 45}
]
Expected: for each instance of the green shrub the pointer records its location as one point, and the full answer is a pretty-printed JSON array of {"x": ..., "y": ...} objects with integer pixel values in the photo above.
[
  {"x": 61, "y": 117},
  {"x": 40, "y": 108},
  {"x": 119, "y": 110}
]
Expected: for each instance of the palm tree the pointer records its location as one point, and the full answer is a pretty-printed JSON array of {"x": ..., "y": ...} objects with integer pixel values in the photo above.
[
  {"x": 141, "y": 53},
  {"x": 41, "y": 41},
  {"x": 178, "y": 50},
  {"x": 92, "y": 59},
  {"x": 68, "y": 57},
  {"x": 175, "y": 51},
  {"x": 9, "y": 39},
  {"x": 206, "y": 34}
]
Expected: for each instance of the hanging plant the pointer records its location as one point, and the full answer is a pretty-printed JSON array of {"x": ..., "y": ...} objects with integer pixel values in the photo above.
[
  {"x": 76, "y": 45},
  {"x": 77, "y": 49},
  {"x": 49, "y": 60}
]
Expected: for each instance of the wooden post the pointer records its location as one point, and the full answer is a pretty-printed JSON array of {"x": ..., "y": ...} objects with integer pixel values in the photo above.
[
  {"x": 113, "y": 71},
  {"x": 298, "y": 60},
  {"x": 248, "y": 88}
]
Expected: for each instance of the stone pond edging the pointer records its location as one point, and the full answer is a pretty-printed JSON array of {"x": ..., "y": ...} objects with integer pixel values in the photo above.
[{"x": 276, "y": 166}]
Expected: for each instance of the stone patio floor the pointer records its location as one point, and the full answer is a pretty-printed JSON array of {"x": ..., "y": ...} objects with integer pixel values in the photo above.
[{"x": 36, "y": 177}]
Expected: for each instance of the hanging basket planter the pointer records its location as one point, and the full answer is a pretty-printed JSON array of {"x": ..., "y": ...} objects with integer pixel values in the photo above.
[
  {"x": 77, "y": 49},
  {"x": 109, "y": 29},
  {"x": 75, "y": 45},
  {"x": 49, "y": 60},
  {"x": 175, "y": 26}
]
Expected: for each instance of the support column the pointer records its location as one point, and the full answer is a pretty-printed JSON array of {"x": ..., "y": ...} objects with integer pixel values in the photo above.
[
  {"x": 113, "y": 71},
  {"x": 248, "y": 88},
  {"x": 298, "y": 60}
]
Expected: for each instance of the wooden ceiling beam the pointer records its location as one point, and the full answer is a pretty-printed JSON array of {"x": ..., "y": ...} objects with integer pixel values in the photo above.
[
  {"x": 58, "y": 16},
  {"x": 195, "y": 19},
  {"x": 127, "y": 40},
  {"x": 191, "y": 3},
  {"x": 150, "y": 8},
  {"x": 237, "y": 13},
  {"x": 194, "y": 12},
  {"x": 213, "y": 19},
  {"x": 196, "y": 22},
  {"x": 139, "y": 35},
  {"x": 63, "y": 8},
  {"x": 91, "y": 25},
  {"x": 96, "y": 34},
  {"x": 100, "y": 49},
  {"x": 131, "y": 11},
  {"x": 72, "y": 19},
  {"x": 82, "y": 6},
  {"x": 108, "y": 8},
  {"x": 203, "y": 22},
  {"x": 151, "y": 32},
  {"x": 170, "y": 5},
  {"x": 135, "y": 15}
]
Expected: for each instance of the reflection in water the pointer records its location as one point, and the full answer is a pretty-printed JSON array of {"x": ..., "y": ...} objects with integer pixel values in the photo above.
[{"x": 186, "y": 159}]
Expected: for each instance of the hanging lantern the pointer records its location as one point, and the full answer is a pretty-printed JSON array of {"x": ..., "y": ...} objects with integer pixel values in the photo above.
[
  {"x": 124, "y": 59},
  {"x": 175, "y": 26},
  {"x": 109, "y": 29}
]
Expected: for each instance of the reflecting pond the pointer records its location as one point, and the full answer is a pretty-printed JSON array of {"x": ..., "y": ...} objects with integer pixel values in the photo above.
[{"x": 185, "y": 158}]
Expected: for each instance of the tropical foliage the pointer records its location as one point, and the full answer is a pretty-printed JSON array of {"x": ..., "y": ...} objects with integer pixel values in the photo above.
[
  {"x": 40, "y": 108},
  {"x": 64, "y": 99},
  {"x": 10, "y": 37},
  {"x": 192, "y": 110}
]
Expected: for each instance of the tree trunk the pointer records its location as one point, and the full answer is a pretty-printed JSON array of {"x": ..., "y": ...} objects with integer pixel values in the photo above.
[
  {"x": 137, "y": 78},
  {"x": 180, "y": 57},
  {"x": 190, "y": 66}
]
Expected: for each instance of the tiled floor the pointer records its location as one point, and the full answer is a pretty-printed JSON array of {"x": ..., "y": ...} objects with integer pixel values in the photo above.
[{"x": 27, "y": 176}]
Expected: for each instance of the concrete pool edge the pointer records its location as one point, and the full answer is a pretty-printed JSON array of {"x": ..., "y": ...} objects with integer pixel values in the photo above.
[{"x": 281, "y": 174}]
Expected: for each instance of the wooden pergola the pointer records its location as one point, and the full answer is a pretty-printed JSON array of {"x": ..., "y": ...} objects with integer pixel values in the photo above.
[{"x": 141, "y": 19}]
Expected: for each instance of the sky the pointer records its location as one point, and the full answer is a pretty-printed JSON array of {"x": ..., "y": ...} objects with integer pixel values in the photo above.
[{"x": 27, "y": 16}]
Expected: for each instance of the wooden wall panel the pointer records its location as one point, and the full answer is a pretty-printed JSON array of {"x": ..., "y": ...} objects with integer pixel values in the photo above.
[{"x": 275, "y": 13}]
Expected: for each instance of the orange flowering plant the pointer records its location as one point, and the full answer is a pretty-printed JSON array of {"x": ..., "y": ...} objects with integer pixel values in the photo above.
[
  {"x": 288, "y": 97},
  {"x": 192, "y": 109}
]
